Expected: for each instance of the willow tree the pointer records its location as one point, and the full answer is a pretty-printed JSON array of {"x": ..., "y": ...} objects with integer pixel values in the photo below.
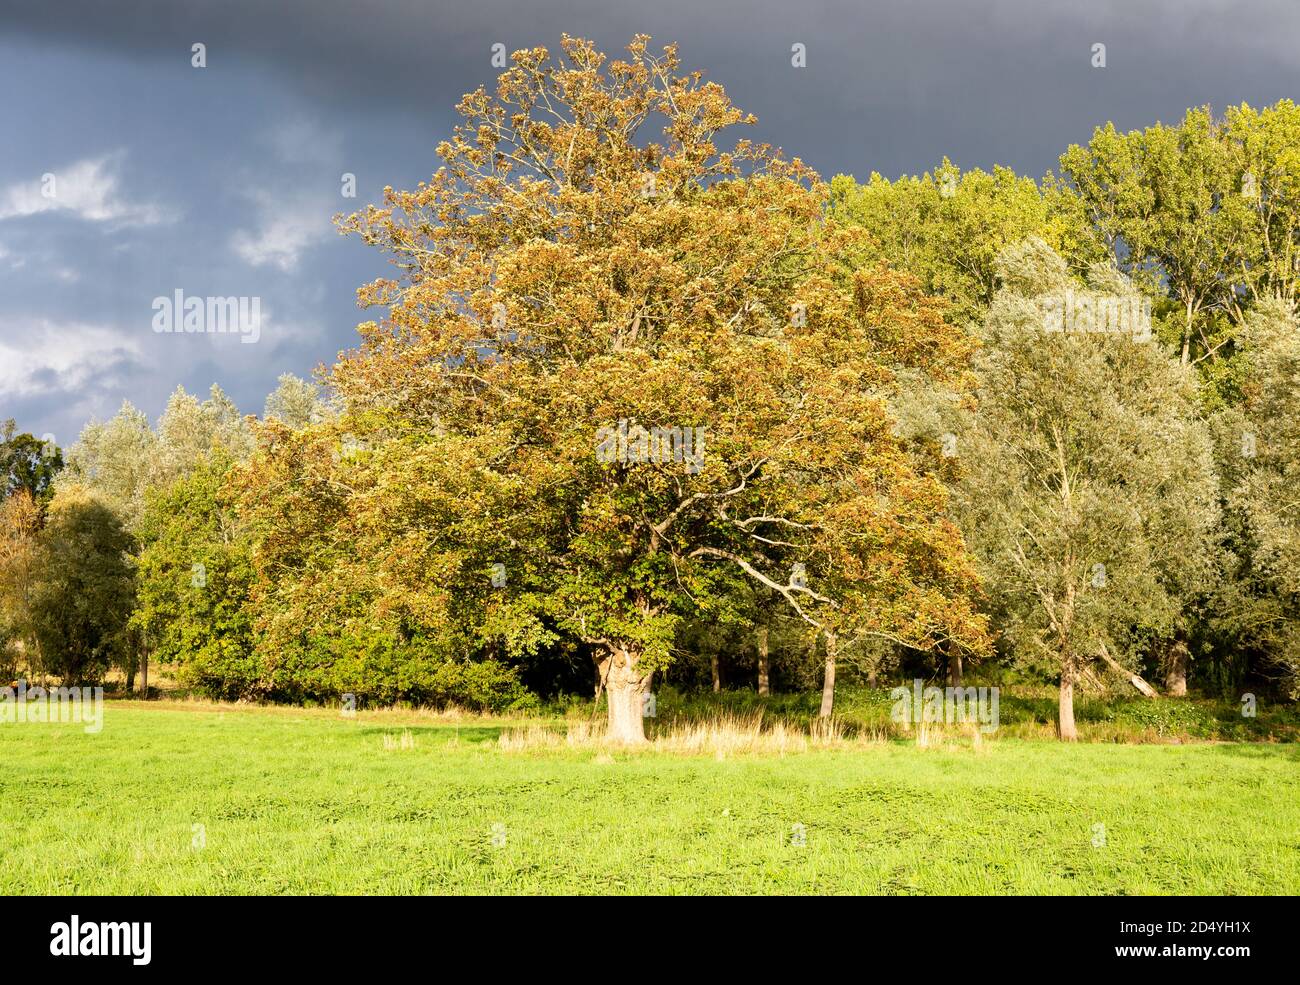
[
  {"x": 1089, "y": 490},
  {"x": 1261, "y": 466},
  {"x": 658, "y": 365}
]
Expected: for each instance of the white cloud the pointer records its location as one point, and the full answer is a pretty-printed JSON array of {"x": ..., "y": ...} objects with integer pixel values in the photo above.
[
  {"x": 88, "y": 189},
  {"x": 284, "y": 232},
  {"x": 45, "y": 356},
  {"x": 292, "y": 220}
]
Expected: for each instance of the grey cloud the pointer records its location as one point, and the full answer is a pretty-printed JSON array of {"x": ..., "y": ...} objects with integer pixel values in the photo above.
[{"x": 245, "y": 156}]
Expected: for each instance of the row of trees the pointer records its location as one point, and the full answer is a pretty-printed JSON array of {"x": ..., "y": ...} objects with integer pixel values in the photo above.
[
  {"x": 1168, "y": 465},
  {"x": 891, "y": 458},
  {"x": 72, "y": 533}
]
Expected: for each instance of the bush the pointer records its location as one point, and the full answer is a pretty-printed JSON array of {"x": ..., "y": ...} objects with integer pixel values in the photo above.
[
  {"x": 221, "y": 673},
  {"x": 377, "y": 672},
  {"x": 382, "y": 671},
  {"x": 1165, "y": 717},
  {"x": 399, "y": 675}
]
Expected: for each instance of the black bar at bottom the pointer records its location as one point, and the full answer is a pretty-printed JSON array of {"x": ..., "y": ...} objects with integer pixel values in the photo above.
[{"x": 300, "y": 935}]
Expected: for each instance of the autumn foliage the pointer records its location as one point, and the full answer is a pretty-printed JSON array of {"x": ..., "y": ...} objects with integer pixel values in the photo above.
[
  {"x": 638, "y": 392},
  {"x": 588, "y": 255}
]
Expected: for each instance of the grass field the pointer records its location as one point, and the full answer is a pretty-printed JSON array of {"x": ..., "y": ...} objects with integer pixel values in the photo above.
[{"x": 175, "y": 797}]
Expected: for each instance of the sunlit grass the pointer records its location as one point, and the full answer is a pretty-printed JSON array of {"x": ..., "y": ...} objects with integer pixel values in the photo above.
[{"x": 195, "y": 798}]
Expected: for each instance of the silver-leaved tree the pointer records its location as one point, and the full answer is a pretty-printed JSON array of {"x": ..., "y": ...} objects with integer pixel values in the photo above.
[{"x": 1089, "y": 494}]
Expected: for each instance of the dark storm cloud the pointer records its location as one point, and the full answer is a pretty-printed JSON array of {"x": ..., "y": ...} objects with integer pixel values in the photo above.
[
  {"x": 223, "y": 181},
  {"x": 891, "y": 86}
]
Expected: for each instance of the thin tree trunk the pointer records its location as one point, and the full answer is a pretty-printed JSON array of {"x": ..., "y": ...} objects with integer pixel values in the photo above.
[
  {"x": 602, "y": 668},
  {"x": 144, "y": 674},
  {"x": 1065, "y": 705},
  {"x": 625, "y": 688},
  {"x": 1146, "y": 689},
  {"x": 717, "y": 677},
  {"x": 954, "y": 665},
  {"x": 1086, "y": 677},
  {"x": 762, "y": 662},
  {"x": 828, "y": 681},
  {"x": 1065, "y": 708}
]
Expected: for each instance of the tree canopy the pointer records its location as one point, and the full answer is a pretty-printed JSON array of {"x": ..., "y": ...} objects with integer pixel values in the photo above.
[
  {"x": 637, "y": 386},
  {"x": 589, "y": 262}
]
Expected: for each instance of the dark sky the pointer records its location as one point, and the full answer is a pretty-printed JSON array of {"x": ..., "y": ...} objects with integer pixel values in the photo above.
[{"x": 222, "y": 181}]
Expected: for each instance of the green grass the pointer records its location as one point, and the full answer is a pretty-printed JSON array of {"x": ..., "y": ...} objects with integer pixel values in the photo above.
[
  {"x": 1025, "y": 711},
  {"x": 302, "y": 801}
]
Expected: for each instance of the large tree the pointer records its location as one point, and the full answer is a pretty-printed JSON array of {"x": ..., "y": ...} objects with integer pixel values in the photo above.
[
  {"x": 193, "y": 575},
  {"x": 84, "y": 590},
  {"x": 1088, "y": 491},
  {"x": 569, "y": 277}
]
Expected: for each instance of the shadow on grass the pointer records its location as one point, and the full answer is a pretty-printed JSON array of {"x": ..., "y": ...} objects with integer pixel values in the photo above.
[
  {"x": 438, "y": 734},
  {"x": 1258, "y": 750}
]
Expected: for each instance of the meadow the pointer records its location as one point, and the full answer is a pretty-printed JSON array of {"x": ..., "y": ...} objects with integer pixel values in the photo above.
[{"x": 189, "y": 797}]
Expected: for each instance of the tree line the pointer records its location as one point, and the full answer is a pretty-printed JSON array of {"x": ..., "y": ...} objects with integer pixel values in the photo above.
[{"x": 898, "y": 457}]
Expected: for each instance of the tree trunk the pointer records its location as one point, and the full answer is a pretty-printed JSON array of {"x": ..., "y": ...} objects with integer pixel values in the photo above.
[
  {"x": 954, "y": 666},
  {"x": 1065, "y": 709},
  {"x": 144, "y": 674},
  {"x": 625, "y": 688},
  {"x": 828, "y": 681},
  {"x": 762, "y": 662},
  {"x": 1176, "y": 675},
  {"x": 1065, "y": 705},
  {"x": 717, "y": 677}
]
